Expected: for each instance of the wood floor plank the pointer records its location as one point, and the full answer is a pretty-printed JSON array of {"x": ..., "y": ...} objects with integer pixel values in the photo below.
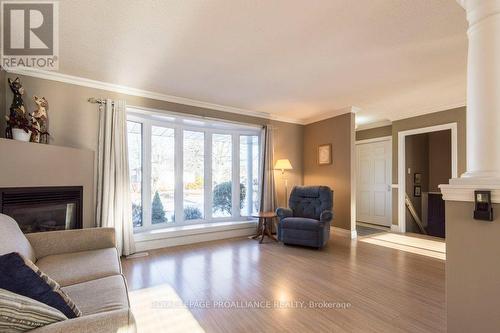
[{"x": 381, "y": 289}]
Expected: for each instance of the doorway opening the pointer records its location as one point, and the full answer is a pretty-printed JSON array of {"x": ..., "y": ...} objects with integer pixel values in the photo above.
[{"x": 427, "y": 157}]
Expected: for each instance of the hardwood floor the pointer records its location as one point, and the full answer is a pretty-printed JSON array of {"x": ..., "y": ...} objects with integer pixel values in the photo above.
[{"x": 374, "y": 288}]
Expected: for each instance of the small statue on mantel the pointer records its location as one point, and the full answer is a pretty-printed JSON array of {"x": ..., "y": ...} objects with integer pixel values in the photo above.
[
  {"x": 40, "y": 121},
  {"x": 17, "y": 117}
]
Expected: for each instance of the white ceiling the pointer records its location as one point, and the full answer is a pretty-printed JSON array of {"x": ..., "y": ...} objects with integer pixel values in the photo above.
[{"x": 300, "y": 60}]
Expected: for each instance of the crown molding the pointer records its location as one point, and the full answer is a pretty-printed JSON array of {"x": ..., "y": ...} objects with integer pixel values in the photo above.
[
  {"x": 433, "y": 109},
  {"x": 330, "y": 114},
  {"x": 89, "y": 83}
]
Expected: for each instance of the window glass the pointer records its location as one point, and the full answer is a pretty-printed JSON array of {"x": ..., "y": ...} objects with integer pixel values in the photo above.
[
  {"x": 221, "y": 175},
  {"x": 193, "y": 175},
  {"x": 162, "y": 175},
  {"x": 249, "y": 174},
  {"x": 134, "y": 139}
]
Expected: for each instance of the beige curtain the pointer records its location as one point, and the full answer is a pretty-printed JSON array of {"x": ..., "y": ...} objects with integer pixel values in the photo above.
[
  {"x": 113, "y": 204},
  {"x": 268, "y": 200}
]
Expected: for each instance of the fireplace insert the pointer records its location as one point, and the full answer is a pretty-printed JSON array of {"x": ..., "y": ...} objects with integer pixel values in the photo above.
[{"x": 39, "y": 209}]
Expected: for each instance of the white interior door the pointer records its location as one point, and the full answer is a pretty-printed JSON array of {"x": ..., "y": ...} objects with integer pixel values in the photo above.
[{"x": 373, "y": 182}]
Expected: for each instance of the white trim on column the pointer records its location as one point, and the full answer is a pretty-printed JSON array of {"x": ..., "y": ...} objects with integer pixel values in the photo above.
[
  {"x": 465, "y": 192},
  {"x": 402, "y": 163}
]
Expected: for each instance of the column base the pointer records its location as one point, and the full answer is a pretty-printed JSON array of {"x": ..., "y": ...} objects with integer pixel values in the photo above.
[{"x": 462, "y": 189}]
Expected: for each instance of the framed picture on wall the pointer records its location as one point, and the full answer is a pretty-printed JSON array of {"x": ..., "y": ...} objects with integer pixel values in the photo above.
[
  {"x": 417, "y": 191},
  {"x": 417, "y": 178},
  {"x": 325, "y": 154}
]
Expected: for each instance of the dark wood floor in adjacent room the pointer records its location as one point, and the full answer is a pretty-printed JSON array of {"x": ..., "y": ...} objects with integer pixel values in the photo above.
[{"x": 382, "y": 289}]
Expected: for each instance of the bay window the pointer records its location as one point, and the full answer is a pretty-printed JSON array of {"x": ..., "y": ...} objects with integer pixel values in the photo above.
[{"x": 186, "y": 171}]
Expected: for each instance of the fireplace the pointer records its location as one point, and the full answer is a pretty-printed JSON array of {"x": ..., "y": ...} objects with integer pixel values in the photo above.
[{"x": 39, "y": 209}]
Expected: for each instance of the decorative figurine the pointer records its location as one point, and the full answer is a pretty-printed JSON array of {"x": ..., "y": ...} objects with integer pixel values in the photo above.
[
  {"x": 17, "y": 120},
  {"x": 40, "y": 121}
]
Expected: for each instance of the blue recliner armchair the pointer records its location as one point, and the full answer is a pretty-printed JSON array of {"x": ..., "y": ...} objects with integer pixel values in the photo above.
[{"x": 307, "y": 221}]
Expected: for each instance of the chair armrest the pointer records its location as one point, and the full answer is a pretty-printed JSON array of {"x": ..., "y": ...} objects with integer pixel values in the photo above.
[
  {"x": 284, "y": 213},
  {"x": 67, "y": 241},
  {"x": 326, "y": 216},
  {"x": 117, "y": 321}
]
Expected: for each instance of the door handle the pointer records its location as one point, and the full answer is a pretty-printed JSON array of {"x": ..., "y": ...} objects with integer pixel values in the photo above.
[{"x": 388, "y": 188}]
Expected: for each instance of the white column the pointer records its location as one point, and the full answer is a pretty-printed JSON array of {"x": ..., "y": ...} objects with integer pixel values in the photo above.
[{"x": 483, "y": 91}]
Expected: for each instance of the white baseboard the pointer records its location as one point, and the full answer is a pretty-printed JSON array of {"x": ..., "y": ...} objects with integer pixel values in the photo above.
[
  {"x": 352, "y": 234},
  {"x": 158, "y": 243},
  {"x": 395, "y": 228}
]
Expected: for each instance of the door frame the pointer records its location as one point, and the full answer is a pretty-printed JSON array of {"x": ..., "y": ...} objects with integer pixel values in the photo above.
[
  {"x": 401, "y": 227},
  {"x": 373, "y": 140}
]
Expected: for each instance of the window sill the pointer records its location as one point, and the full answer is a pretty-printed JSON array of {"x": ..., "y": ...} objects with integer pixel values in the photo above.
[{"x": 195, "y": 229}]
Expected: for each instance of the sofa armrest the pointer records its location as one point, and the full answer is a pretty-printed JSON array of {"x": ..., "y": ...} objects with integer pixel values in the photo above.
[
  {"x": 67, "y": 241},
  {"x": 326, "y": 216},
  {"x": 284, "y": 213},
  {"x": 118, "y": 321}
]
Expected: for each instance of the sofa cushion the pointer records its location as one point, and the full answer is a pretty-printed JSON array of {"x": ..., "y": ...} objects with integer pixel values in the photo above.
[
  {"x": 20, "y": 313},
  {"x": 102, "y": 295},
  {"x": 77, "y": 267},
  {"x": 300, "y": 223},
  {"x": 21, "y": 276},
  {"x": 12, "y": 239}
]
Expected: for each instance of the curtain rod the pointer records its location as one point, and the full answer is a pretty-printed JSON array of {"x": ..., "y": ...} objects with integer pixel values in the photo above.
[{"x": 101, "y": 101}]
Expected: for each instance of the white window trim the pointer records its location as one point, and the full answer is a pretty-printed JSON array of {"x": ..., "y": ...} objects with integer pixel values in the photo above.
[{"x": 144, "y": 117}]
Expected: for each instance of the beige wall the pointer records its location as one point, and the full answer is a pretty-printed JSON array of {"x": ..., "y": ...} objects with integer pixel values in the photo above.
[
  {"x": 288, "y": 143},
  {"x": 457, "y": 115},
  {"x": 472, "y": 270},
  {"x": 32, "y": 164},
  {"x": 439, "y": 159},
  {"x": 372, "y": 133},
  {"x": 73, "y": 122},
  {"x": 339, "y": 131}
]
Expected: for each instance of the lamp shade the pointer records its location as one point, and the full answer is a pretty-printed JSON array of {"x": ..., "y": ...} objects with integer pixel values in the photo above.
[{"x": 283, "y": 164}]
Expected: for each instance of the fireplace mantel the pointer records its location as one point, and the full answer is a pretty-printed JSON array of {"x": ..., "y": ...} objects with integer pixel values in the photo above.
[{"x": 26, "y": 164}]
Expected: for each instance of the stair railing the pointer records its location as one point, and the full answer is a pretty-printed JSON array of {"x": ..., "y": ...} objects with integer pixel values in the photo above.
[{"x": 413, "y": 213}]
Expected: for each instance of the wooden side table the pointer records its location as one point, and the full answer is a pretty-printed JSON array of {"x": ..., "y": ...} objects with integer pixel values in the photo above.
[{"x": 265, "y": 224}]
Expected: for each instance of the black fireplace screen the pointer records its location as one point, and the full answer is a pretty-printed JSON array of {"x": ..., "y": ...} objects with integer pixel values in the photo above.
[{"x": 39, "y": 209}]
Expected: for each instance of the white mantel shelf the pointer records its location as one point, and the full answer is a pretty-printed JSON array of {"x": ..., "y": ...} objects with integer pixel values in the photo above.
[{"x": 465, "y": 192}]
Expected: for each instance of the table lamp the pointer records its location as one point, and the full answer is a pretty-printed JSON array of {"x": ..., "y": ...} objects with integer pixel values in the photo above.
[{"x": 283, "y": 165}]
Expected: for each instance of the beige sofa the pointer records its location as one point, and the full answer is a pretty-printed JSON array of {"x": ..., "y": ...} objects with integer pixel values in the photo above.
[{"x": 87, "y": 266}]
